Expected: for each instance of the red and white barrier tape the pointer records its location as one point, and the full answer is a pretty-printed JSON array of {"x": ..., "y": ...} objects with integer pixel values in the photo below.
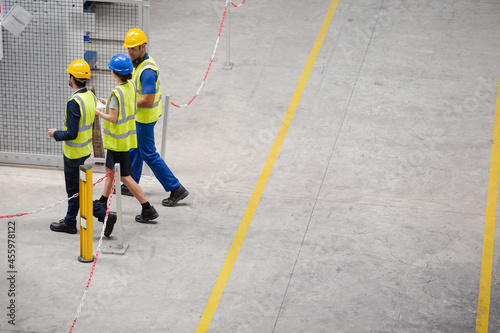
[
  {"x": 241, "y": 4},
  {"x": 95, "y": 257},
  {"x": 213, "y": 55},
  {"x": 57, "y": 203}
]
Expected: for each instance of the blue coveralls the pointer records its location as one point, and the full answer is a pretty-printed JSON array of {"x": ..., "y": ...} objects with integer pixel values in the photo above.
[{"x": 146, "y": 149}]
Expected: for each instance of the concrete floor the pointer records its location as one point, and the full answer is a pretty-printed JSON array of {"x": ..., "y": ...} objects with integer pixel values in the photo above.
[{"x": 372, "y": 219}]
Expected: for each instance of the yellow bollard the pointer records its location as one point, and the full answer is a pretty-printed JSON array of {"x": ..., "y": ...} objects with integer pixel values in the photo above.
[{"x": 86, "y": 214}]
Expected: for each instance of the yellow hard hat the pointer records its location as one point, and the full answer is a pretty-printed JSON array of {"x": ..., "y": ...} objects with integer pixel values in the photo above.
[
  {"x": 79, "y": 69},
  {"x": 134, "y": 38}
]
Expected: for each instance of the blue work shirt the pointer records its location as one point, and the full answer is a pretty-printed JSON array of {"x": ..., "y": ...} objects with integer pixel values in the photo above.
[
  {"x": 72, "y": 120},
  {"x": 148, "y": 80}
]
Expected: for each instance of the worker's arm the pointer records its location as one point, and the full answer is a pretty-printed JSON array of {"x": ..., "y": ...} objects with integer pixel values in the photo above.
[
  {"x": 112, "y": 116},
  {"x": 113, "y": 109},
  {"x": 72, "y": 121},
  {"x": 146, "y": 101},
  {"x": 148, "y": 85}
]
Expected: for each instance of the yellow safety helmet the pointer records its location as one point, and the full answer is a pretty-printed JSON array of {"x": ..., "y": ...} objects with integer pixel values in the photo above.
[
  {"x": 79, "y": 69},
  {"x": 134, "y": 38}
]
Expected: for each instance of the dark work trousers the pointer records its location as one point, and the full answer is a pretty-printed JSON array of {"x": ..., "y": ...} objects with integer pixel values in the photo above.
[{"x": 72, "y": 178}]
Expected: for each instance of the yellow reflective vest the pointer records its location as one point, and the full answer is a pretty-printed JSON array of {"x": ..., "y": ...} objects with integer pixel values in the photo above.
[
  {"x": 82, "y": 145},
  {"x": 148, "y": 115},
  {"x": 122, "y": 135}
]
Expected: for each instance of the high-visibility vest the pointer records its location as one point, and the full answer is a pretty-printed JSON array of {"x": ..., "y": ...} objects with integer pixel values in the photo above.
[
  {"x": 147, "y": 115},
  {"x": 122, "y": 135},
  {"x": 82, "y": 145}
]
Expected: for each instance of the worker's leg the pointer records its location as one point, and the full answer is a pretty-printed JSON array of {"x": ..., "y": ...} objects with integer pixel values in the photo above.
[
  {"x": 147, "y": 148},
  {"x": 108, "y": 183},
  {"x": 137, "y": 162},
  {"x": 134, "y": 188},
  {"x": 148, "y": 212},
  {"x": 72, "y": 179}
]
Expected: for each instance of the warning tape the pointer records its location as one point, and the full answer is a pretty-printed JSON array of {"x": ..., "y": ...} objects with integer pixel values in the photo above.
[
  {"x": 96, "y": 255},
  {"x": 213, "y": 56},
  {"x": 241, "y": 4},
  {"x": 53, "y": 205}
]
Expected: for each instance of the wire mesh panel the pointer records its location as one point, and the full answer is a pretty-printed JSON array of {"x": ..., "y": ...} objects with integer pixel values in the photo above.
[
  {"x": 33, "y": 80},
  {"x": 113, "y": 20}
]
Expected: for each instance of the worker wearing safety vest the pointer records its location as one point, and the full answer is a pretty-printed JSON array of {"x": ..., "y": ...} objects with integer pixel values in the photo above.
[
  {"x": 120, "y": 134},
  {"x": 77, "y": 143},
  {"x": 146, "y": 77}
]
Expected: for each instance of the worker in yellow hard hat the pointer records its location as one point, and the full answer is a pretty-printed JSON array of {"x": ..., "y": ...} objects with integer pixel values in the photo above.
[
  {"x": 146, "y": 77},
  {"x": 77, "y": 144}
]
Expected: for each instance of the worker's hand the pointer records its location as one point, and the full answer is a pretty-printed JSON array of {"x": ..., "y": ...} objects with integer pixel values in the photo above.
[
  {"x": 51, "y": 132},
  {"x": 103, "y": 101}
]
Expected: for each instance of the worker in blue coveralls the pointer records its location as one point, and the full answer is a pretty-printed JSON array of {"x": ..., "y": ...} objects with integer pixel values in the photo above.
[
  {"x": 77, "y": 144},
  {"x": 146, "y": 77}
]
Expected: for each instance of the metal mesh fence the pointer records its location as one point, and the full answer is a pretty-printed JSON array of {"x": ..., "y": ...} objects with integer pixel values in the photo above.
[{"x": 33, "y": 80}]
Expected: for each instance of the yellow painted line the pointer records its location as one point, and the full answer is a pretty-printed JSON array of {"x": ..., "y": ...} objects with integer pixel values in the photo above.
[
  {"x": 483, "y": 303},
  {"x": 220, "y": 284}
]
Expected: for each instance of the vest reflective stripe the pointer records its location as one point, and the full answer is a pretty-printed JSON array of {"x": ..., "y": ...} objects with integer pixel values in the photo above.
[
  {"x": 82, "y": 145},
  {"x": 148, "y": 115},
  {"x": 79, "y": 145},
  {"x": 84, "y": 126},
  {"x": 154, "y": 105},
  {"x": 123, "y": 118},
  {"x": 122, "y": 135}
]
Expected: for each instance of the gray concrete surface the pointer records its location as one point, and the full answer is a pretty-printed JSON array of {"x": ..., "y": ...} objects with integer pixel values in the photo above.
[{"x": 372, "y": 219}]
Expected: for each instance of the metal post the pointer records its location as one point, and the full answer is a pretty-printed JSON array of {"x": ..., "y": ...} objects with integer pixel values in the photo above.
[
  {"x": 166, "y": 103},
  {"x": 228, "y": 64},
  {"x": 119, "y": 247},
  {"x": 144, "y": 23},
  {"x": 118, "y": 223},
  {"x": 1, "y": 38},
  {"x": 144, "y": 18},
  {"x": 86, "y": 214}
]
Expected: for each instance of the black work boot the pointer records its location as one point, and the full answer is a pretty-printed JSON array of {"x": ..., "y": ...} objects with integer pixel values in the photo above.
[
  {"x": 61, "y": 226},
  {"x": 110, "y": 223},
  {"x": 175, "y": 196},
  {"x": 125, "y": 191},
  {"x": 102, "y": 204},
  {"x": 111, "y": 219},
  {"x": 147, "y": 215}
]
